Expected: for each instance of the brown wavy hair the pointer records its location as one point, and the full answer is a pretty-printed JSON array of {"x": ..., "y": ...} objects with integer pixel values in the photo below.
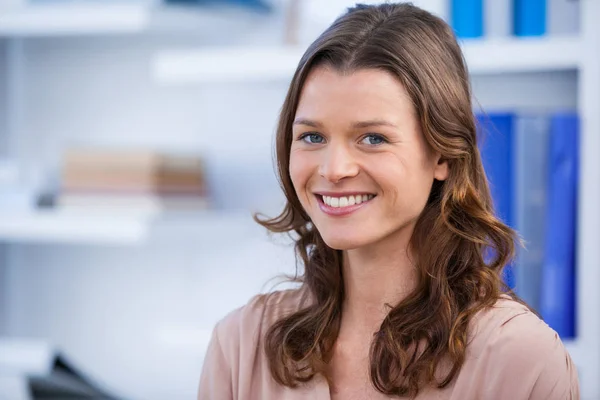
[{"x": 460, "y": 247}]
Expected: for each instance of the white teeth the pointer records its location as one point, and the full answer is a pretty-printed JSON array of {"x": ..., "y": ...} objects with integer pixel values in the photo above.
[{"x": 346, "y": 201}]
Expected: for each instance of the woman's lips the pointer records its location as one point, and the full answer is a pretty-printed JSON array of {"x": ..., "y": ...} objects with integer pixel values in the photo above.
[{"x": 340, "y": 211}]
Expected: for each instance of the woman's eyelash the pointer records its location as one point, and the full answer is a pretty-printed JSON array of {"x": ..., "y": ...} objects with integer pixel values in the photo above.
[
  {"x": 303, "y": 137},
  {"x": 377, "y": 136}
]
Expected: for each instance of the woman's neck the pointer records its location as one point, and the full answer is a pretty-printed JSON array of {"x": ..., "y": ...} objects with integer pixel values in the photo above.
[{"x": 374, "y": 279}]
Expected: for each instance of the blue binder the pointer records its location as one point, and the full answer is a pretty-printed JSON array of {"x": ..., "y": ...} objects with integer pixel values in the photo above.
[
  {"x": 529, "y": 17},
  {"x": 557, "y": 303},
  {"x": 467, "y": 18},
  {"x": 496, "y": 131}
]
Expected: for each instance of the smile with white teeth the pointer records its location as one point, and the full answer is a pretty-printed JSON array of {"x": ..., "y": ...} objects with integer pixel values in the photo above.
[{"x": 346, "y": 201}]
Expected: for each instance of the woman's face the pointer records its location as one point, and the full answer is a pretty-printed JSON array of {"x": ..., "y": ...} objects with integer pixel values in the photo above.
[{"x": 359, "y": 162}]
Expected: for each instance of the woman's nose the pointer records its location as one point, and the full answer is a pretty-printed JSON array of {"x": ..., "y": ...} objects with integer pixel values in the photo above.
[{"x": 337, "y": 164}]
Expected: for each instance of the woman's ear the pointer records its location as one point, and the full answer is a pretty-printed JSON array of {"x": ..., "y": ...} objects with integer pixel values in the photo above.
[{"x": 441, "y": 169}]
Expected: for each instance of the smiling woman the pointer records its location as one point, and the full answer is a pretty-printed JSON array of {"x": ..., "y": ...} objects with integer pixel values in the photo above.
[{"x": 377, "y": 156}]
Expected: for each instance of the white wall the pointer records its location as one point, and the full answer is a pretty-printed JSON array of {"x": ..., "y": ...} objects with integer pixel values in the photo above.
[{"x": 137, "y": 318}]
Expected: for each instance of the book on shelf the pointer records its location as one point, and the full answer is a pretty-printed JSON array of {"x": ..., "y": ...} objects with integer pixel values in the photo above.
[
  {"x": 33, "y": 369},
  {"x": 466, "y": 18},
  {"x": 529, "y": 17},
  {"x": 142, "y": 181},
  {"x": 496, "y": 136}
]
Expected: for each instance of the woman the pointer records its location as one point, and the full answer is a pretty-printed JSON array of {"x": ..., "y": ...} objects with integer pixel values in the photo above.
[{"x": 401, "y": 295}]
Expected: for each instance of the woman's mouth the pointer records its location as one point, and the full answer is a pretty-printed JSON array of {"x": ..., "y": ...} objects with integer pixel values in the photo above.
[{"x": 343, "y": 205}]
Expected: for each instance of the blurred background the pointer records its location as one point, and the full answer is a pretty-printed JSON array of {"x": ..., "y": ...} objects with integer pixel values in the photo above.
[{"x": 136, "y": 141}]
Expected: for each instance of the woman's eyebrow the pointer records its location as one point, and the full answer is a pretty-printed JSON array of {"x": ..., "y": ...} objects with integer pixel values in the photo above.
[
  {"x": 372, "y": 123},
  {"x": 355, "y": 125},
  {"x": 307, "y": 122}
]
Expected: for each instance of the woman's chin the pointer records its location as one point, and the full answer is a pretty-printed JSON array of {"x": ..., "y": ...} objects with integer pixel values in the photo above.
[{"x": 343, "y": 242}]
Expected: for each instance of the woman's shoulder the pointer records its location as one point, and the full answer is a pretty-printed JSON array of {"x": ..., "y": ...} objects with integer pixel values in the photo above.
[
  {"x": 517, "y": 346},
  {"x": 260, "y": 312},
  {"x": 513, "y": 329},
  {"x": 487, "y": 321},
  {"x": 512, "y": 321},
  {"x": 234, "y": 363}
]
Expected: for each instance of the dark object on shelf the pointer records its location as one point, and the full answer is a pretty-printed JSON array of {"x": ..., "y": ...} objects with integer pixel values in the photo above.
[
  {"x": 46, "y": 200},
  {"x": 34, "y": 370},
  {"x": 65, "y": 382}
]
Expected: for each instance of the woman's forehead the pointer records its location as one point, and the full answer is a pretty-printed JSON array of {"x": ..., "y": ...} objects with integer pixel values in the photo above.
[{"x": 364, "y": 95}]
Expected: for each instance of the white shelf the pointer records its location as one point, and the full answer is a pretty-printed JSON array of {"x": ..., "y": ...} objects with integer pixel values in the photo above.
[
  {"x": 126, "y": 227},
  {"x": 74, "y": 18},
  {"x": 80, "y": 18},
  {"x": 72, "y": 227},
  {"x": 237, "y": 64},
  {"x": 251, "y": 64},
  {"x": 523, "y": 55}
]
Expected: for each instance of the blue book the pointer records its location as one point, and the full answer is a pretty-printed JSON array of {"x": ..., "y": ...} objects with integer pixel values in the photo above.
[
  {"x": 529, "y": 17},
  {"x": 496, "y": 144},
  {"x": 467, "y": 18},
  {"x": 557, "y": 303}
]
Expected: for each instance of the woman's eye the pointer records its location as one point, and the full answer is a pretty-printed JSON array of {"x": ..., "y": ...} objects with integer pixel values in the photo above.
[
  {"x": 373, "y": 140},
  {"x": 313, "y": 138}
]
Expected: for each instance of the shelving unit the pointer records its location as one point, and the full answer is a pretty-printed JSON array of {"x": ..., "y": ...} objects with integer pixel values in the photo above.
[
  {"x": 214, "y": 65},
  {"x": 247, "y": 64}
]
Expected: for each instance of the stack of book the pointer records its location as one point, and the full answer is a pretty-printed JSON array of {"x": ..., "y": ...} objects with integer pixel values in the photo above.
[{"x": 140, "y": 181}]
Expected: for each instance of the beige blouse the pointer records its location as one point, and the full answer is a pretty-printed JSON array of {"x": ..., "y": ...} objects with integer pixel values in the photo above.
[{"x": 512, "y": 355}]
